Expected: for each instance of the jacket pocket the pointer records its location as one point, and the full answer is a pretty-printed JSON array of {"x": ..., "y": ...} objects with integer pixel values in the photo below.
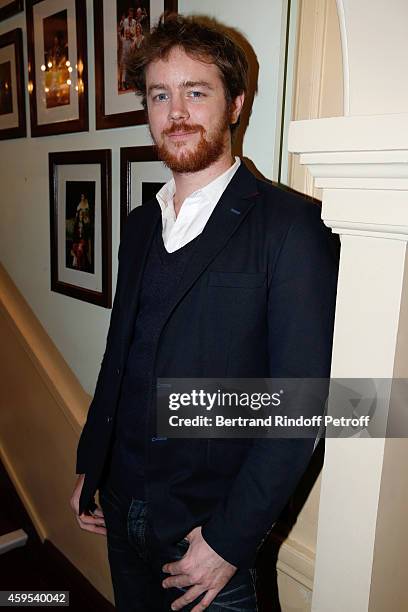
[{"x": 236, "y": 279}]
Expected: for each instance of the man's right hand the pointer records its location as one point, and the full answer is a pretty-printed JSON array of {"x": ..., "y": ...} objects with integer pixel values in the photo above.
[{"x": 94, "y": 521}]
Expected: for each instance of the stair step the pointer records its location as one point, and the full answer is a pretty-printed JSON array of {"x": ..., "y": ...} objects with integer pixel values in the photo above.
[{"x": 13, "y": 539}]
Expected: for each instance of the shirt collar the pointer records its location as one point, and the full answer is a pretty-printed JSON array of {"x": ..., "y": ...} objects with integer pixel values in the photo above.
[
  {"x": 210, "y": 192},
  {"x": 166, "y": 193}
]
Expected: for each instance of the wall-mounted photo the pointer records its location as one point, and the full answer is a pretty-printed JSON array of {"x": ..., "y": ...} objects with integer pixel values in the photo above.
[
  {"x": 57, "y": 60},
  {"x": 132, "y": 25},
  {"x": 142, "y": 174},
  {"x": 8, "y": 8},
  {"x": 12, "y": 102},
  {"x": 80, "y": 221},
  {"x": 80, "y": 225},
  {"x": 120, "y": 27}
]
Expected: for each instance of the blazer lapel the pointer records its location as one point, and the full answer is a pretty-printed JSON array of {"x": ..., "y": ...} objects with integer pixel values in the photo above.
[
  {"x": 135, "y": 267},
  {"x": 231, "y": 210}
]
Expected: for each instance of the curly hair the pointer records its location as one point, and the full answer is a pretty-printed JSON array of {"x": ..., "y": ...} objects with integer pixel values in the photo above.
[{"x": 201, "y": 38}]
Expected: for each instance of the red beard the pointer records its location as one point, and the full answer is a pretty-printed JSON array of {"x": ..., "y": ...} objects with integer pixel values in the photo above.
[{"x": 205, "y": 152}]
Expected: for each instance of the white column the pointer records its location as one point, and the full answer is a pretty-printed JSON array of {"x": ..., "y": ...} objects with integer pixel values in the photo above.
[{"x": 361, "y": 164}]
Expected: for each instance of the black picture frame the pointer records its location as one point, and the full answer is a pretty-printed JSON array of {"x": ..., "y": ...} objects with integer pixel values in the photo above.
[
  {"x": 70, "y": 276},
  {"x": 107, "y": 40},
  {"x": 11, "y": 8},
  {"x": 49, "y": 88},
  {"x": 132, "y": 166},
  {"x": 12, "y": 99}
]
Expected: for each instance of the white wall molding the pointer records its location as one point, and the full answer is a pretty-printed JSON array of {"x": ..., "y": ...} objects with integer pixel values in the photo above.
[
  {"x": 357, "y": 133},
  {"x": 297, "y": 562},
  {"x": 361, "y": 163},
  {"x": 344, "y": 50}
]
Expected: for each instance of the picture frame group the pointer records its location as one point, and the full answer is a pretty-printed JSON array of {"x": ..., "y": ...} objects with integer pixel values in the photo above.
[
  {"x": 58, "y": 64},
  {"x": 80, "y": 214},
  {"x": 80, "y": 181}
]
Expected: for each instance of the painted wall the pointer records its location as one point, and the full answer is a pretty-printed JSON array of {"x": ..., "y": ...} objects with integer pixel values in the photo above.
[{"x": 78, "y": 328}]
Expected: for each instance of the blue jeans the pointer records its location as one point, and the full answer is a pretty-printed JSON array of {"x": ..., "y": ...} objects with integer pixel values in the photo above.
[{"x": 136, "y": 558}]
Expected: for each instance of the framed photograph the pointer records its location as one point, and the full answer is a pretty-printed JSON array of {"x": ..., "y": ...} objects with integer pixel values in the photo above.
[
  {"x": 142, "y": 174},
  {"x": 119, "y": 27},
  {"x": 57, "y": 66},
  {"x": 10, "y": 7},
  {"x": 80, "y": 223},
  {"x": 12, "y": 102}
]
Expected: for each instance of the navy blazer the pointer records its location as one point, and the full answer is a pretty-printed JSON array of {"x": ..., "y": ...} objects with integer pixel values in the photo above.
[{"x": 257, "y": 299}]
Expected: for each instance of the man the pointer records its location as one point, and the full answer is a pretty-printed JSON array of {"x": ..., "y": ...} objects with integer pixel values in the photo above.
[{"x": 221, "y": 276}]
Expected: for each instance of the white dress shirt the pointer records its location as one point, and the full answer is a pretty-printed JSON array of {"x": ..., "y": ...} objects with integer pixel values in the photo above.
[{"x": 194, "y": 212}]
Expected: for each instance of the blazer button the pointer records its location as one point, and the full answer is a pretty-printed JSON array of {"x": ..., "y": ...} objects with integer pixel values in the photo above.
[
  {"x": 109, "y": 419},
  {"x": 118, "y": 371}
]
